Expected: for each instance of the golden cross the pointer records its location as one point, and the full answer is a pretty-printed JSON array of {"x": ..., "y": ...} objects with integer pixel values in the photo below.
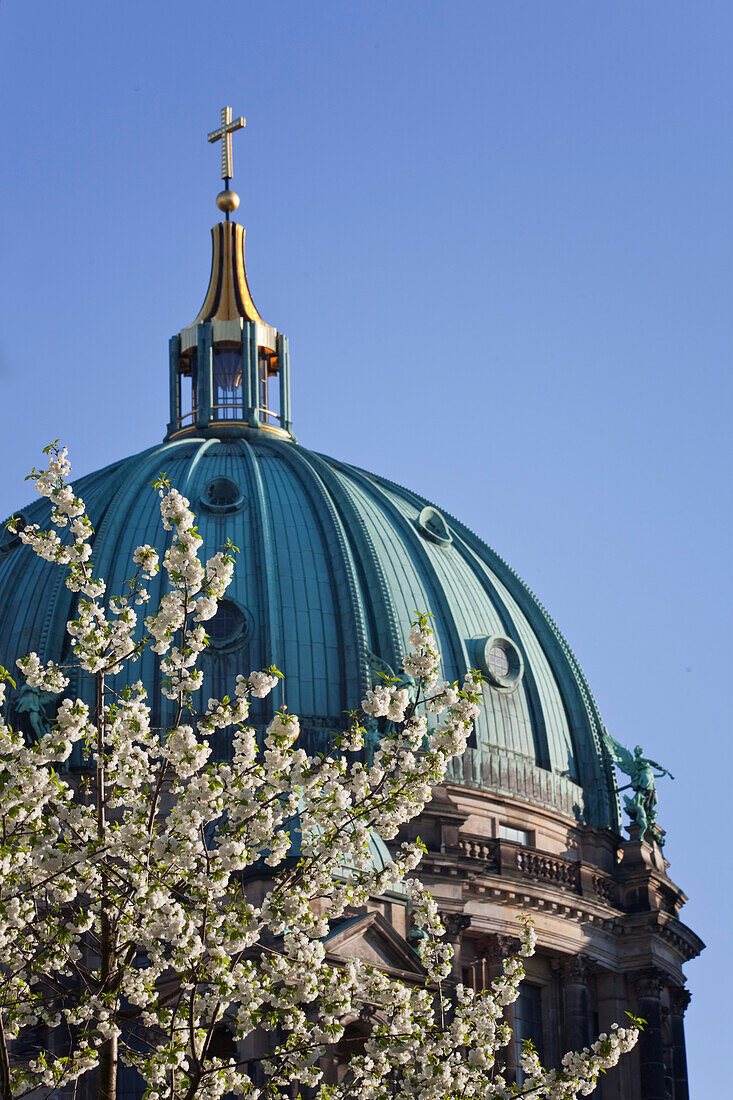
[{"x": 224, "y": 135}]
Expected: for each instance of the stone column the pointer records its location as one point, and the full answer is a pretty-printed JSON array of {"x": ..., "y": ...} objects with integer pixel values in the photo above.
[
  {"x": 204, "y": 371},
  {"x": 679, "y": 1000},
  {"x": 649, "y": 984},
  {"x": 575, "y": 974},
  {"x": 455, "y": 925},
  {"x": 174, "y": 384},
  {"x": 500, "y": 948},
  {"x": 612, "y": 1000}
]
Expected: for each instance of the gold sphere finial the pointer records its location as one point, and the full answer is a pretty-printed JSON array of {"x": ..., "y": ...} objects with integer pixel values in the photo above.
[{"x": 228, "y": 201}]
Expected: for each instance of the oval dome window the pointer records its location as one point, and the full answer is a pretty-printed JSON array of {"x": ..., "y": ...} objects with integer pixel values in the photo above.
[
  {"x": 8, "y": 539},
  {"x": 221, "y": 494},
  {"x": 433, "y": 526},
  {"x": 229, "y": 627},
  {"x": 500, "y": 661}
]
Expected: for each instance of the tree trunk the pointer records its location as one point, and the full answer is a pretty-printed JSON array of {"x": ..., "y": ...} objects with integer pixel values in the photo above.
[
  {"x": 5, "y": 1090},
  {"x": 109, "y": 1049},
  {"x": 108, "y": 1070}
]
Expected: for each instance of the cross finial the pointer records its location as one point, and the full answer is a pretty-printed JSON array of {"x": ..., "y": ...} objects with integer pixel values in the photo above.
[{"x": 224, "y": 135}]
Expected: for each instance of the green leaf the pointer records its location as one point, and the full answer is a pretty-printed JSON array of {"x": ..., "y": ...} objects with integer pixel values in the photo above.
[{"x": 5, "y": 675}]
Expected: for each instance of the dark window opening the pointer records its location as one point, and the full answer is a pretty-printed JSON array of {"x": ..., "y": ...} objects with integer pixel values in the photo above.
[
  {"x": 227, "y": 396},
  {"x": 187, "y": 383},
  {"x": 222, "y": 1044},
  {"x": 228, "y": 627},
  {"x": 269, "y": 393},
  {"x": 221, "y": 494},
  {"x": 528, "y": 1023},
  {"x": 432, "y": 524}
]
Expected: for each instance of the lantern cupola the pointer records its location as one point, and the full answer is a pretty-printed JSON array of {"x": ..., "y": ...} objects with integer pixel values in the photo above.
[{"x": 229, "y": 369}]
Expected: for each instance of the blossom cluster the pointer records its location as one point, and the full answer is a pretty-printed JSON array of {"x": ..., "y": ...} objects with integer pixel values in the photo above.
[{"x": 154, "y": 894}]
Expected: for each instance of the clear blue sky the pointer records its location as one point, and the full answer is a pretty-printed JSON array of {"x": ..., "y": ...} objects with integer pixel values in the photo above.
[{"x": 498, "y": 235}]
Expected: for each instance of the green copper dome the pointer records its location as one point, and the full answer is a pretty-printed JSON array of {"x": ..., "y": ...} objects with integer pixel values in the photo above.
[{"x": 333, "y": 563}]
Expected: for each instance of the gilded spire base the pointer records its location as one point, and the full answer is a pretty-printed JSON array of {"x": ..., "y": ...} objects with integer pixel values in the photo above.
[{"x": 228, "y": 297}]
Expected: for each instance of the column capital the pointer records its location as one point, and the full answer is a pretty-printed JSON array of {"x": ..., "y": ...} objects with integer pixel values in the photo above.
[
  {"x": 501, "y": 946},
  {"x": 455, "y": 924},
  {"x": 650, "y": 982},
  {"x": 679, "y": 997},
  {"x": 576, "y": 969}
]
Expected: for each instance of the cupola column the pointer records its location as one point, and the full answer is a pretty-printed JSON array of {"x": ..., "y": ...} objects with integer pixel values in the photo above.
[
  {"x": 250, "y": 364},
  {"x": 283, "y": 353},
  {"x": 174, "y": 384},
  {"x": 499, "y": 948},
  {"x": 205, "y": 371}
]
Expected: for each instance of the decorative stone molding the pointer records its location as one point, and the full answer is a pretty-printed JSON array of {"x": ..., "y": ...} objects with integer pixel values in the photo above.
[{"x": 502, "y": 772}]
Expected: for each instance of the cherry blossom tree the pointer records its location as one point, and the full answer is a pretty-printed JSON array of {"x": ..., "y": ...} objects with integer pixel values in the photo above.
[{"x": 128, "y": 932}]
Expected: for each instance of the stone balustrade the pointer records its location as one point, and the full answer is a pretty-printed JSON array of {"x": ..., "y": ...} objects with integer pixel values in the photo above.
[
  {"x": 479, "y": 847},
  {"x": 506, "y": 857},
  {"x": 548, "y": 868}
]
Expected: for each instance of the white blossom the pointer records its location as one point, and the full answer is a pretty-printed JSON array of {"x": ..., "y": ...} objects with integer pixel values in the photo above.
[{"x": 123, "y": 891}]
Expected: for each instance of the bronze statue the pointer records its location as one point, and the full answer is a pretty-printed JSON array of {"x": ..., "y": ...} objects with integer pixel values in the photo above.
[
  {"x": 642, "y": 806},
  {"x": 35, "y": 703}
]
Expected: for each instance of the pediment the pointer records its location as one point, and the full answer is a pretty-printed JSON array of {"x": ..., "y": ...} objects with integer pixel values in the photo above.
[{"x": 371, "y": 938}]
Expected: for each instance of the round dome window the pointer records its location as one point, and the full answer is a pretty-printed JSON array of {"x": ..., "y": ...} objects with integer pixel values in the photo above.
[
  {"x": 229, "y": 627},
  {"x": 8, "y": 540},
  {"x": 432, "y": 525},
  {"x": 500, "y": 661},
  {"x": 221, "y": 494}
]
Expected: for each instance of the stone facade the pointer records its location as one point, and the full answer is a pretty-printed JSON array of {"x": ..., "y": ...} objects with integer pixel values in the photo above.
[{"x": 607, "y": 916}]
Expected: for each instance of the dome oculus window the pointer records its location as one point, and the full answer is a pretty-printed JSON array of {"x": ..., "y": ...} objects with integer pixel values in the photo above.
[
  {"x": 500, "y": 661},
  {"x": 432, "y": 525},
  {"x": 8, "y": 539},
  {"x": 222, "y": 495},
  {"x": 229, "y": 627}
]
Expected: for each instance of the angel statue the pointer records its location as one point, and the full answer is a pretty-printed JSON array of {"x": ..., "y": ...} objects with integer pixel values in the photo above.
[
  {"x": 35, "y": 703},
  {"x": 642, "y": 806}
]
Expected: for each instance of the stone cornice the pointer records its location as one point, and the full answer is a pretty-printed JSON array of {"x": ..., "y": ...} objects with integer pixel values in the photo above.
[
  {"x": 511, "y": 875},
  {"x": 683, "y": 941},
  {"x": 487, "y": 864}
]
